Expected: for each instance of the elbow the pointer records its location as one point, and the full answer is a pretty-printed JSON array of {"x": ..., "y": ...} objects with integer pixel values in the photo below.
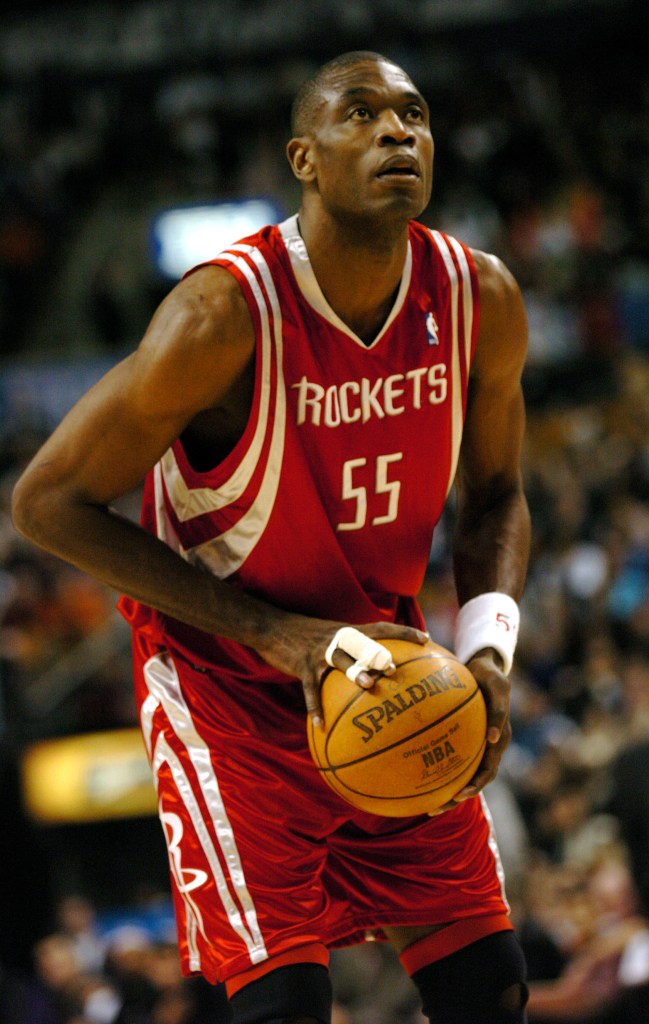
[
  {"x": 22, "y": 508},
  {"x": 32, "y": 508},
  {"x": 502, "y": 494}
]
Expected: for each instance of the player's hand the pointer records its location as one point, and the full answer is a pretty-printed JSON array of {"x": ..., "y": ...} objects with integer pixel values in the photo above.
[
  {"x": 495, "y": 687},
  {"x": 300, "y": 646},
  {"x": 363, "y": 663},
  {"x": 486, "y": 668}
]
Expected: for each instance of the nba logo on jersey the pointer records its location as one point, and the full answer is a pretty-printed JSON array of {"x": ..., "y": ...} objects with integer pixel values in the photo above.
[{"x": 432, "y": 329}]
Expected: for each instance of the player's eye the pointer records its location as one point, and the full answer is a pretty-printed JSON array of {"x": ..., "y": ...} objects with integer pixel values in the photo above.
[
  {"x": 360, "y": 113},
  {"x": 415, "y": 114}
]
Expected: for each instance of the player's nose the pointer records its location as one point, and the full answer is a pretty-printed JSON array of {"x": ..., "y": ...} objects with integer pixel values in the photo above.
[{"x": 392, "y": 130}]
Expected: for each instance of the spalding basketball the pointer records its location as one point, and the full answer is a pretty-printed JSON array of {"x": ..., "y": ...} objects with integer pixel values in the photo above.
[{"x": 409, "y": 744}]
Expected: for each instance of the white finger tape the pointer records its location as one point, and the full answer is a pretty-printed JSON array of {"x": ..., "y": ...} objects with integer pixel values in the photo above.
[
  {"x": 368, "y": 654},
  {"x": 355, "y": 670}
]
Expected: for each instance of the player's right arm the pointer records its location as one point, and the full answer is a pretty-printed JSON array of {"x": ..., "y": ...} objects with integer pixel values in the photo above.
[{"x": 193, "y": 356}]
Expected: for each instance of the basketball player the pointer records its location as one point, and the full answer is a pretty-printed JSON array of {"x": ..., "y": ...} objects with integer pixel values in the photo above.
[{"x": 299, "y": 408}]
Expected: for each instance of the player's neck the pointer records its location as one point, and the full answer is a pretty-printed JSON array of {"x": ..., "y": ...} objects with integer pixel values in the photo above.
[{"x": 359, "y": 271}]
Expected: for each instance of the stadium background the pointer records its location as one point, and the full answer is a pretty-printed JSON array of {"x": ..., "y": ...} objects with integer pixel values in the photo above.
[{"x": 113, "y": 112}]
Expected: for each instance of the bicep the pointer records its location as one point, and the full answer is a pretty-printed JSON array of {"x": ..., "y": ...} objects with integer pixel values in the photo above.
[{"x": 492, "y": 441}]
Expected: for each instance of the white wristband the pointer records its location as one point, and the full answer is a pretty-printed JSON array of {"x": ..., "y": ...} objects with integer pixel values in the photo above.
[{"x": 488, "y": 620}]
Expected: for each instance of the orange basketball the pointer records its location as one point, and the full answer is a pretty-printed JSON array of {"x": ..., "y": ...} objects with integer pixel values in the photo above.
[{"x": 409, "y": 744}]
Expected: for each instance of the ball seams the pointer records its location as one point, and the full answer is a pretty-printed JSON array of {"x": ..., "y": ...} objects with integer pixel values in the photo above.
[
  {"x": 407, "y": 796},
  {"x": 398, "y": 743}
]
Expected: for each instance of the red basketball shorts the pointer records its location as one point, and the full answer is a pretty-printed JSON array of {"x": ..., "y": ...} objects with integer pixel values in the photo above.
[{"x": 264, "y": 857}]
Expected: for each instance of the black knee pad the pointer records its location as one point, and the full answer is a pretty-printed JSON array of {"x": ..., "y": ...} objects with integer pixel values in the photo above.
[
  {"x": 484, "y": 983},
  {"x": 297, "y": 992}
]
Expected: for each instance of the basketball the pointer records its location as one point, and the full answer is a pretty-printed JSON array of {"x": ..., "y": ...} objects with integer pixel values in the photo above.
[{"x": 408, "y": 745}]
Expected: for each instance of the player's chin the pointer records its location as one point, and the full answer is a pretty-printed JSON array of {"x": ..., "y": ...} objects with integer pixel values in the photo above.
[{"x": 408, "y": 197}]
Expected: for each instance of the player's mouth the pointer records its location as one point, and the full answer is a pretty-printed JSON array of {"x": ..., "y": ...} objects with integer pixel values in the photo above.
[{"x": 400, "y": 168}]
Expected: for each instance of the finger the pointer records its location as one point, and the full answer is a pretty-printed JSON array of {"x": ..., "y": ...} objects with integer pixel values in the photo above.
[
  {"x": 358, "y": 655},
  {"x": 474, "y": 787},
  {"x": 313, "y": 703},
  {"x": 495, "y": 689},
  {"x": 499, "y": 730},
  {"x": 366, "y": 652},
  {"x": 485, "y": 774},
  {"x": 355, "y": 672},
  {"x": 497, "y": 712},
  {"x": 495, "y": 725},
  {"x": 363, "y": 678},
  {"x": 392, "y": 631},
  {"x": 443, "y": 809}
]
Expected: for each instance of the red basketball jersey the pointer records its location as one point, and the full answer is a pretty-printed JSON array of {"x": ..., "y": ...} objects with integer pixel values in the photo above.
[{"x": 327, "y": 504}]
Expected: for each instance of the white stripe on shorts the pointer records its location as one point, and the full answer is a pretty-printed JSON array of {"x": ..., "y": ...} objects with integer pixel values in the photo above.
[
  {"x": 164, "y": 685},
  {"x": 493, "y": 846}
]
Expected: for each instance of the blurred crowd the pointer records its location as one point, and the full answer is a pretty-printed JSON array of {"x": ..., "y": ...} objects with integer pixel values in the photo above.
[{"x": 543, "y": 165}]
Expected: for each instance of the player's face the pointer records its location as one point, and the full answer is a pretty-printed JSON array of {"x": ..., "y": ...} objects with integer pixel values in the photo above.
[{"x": 372, "y": 146}]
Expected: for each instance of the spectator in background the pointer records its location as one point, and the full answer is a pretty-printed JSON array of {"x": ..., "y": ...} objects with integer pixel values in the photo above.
[
  {"x": 77, "y": 919},
  {"x": 607, "y": 977},
  {"x": 63, "y": 992},
  {"x": 629, "y": 802}
]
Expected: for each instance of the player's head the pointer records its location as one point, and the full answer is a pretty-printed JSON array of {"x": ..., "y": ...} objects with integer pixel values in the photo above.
[{"x": 361, "y": 137}]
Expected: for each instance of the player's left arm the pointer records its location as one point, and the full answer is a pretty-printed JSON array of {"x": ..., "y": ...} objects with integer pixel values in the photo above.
[{"x": 492, "y": 534}]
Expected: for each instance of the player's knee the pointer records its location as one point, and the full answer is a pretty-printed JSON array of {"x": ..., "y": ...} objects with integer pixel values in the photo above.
[
  {"x": 514, "y": 998},
  {"x": 484, "y": 983},
  {"x": 294, "y": 994}
]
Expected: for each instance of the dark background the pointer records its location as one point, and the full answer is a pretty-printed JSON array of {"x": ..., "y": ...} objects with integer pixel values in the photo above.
[{"x": 110, "y": 112}]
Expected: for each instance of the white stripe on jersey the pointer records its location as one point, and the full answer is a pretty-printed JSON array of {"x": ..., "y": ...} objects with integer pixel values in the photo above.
[
  {"x": 224, "y": 554},
  {"x": 164, "y": 528},
  {"x": 227, "y": 553},
  {"x": 189, "y": 503},
  {"x": 493, "y": 846},
  {"x": 467, "y": 299},
  {"x": 164, "y": 686},
  {"x": 457, "y": 422}
]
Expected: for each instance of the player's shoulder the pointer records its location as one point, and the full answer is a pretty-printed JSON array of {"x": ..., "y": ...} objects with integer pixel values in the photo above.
[
  {"x": 209, "y": 283},
  {"x": 201, "y": 327},
  {"x": 436, "y": 247},
  {"x": 496, "y": 282},
  {"x": 503, "y": 323},
  {"x": 210, "y": 297},
  {"x": 497, "y": 285},
  {"x": 219, "y": 287}
]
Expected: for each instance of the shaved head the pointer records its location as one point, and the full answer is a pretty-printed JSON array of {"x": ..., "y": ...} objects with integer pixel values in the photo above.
[{"x": 310, "y": 94}]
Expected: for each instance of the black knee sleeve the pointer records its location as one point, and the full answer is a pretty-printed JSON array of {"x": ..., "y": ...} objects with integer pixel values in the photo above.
[
  {"x": 297, "y": 992},
  {"x": 484, "y": 983}
]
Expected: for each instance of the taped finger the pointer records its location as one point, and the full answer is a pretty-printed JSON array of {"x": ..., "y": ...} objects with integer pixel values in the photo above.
[
  {"x": 367, "y": 653},
  {"x": 355, "y": 670}
]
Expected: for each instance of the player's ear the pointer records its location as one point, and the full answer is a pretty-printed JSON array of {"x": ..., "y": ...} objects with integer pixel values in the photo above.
[{"x": 300, "y": 156}]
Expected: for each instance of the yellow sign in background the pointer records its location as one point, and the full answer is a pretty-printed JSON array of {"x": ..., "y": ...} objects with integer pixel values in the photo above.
[{"x": 89, "y": 777}]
